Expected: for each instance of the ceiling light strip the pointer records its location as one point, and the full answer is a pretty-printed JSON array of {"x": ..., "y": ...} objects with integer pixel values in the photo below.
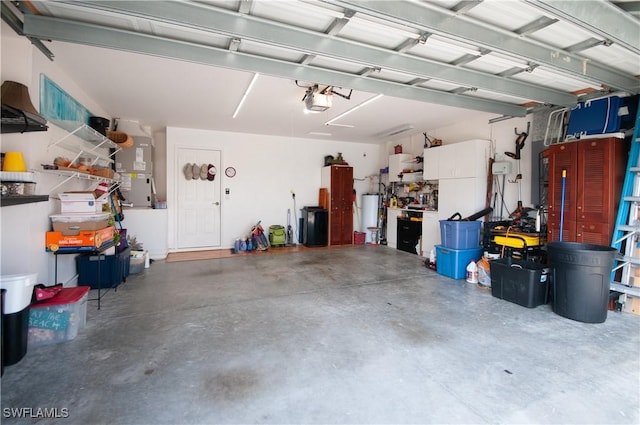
[
  {"x": 246, "y": 93},
  {"x": 355, "y": 108}
]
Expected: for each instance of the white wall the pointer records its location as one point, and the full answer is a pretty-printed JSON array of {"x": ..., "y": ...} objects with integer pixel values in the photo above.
[
  {"x": 502, "y": 134},
  {"x": 23, "y": 227},
  {"x": 268, "y": 169}
]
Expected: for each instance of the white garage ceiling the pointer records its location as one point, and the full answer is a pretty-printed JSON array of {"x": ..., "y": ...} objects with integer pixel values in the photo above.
[{"x": 436, "y": 63}]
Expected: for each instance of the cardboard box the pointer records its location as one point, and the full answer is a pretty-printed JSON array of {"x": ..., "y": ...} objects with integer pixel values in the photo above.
[
  {"x": 632, "y": 305},
  {"x": 73, "y": 224},
  {"x": 83, "y": 241},
  {"x": 79, "y": 202}
]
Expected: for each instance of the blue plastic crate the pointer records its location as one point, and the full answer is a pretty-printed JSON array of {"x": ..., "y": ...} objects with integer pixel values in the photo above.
[
  {"x": 601, "y": 116},
  {"x": 453, "y": 262},
  {"x": 460, "y": 234},
  {"x": 114, "y": 269}
]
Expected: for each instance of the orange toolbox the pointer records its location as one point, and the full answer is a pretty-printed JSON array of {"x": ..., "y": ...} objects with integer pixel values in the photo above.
[{"x": 88, "y": 240}]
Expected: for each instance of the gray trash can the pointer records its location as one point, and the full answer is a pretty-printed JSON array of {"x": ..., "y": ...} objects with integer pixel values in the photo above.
[{"x": 581, "y": 275}]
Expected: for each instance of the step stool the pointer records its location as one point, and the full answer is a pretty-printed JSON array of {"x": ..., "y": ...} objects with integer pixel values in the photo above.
[{"x": 375, "y": 232}]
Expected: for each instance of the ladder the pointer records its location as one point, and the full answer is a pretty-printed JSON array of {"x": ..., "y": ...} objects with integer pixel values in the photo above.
[{"x": 627, "y": 228}]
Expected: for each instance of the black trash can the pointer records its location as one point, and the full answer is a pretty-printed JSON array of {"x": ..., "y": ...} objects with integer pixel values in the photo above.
[
  {"x": 581, "y": 279},
  {"x": 315, "y": 226},
  {"x": 2, "y": 291},
  {"x": 15, "y": 315}
]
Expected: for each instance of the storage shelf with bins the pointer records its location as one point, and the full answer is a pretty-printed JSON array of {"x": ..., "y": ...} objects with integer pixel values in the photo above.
[
  {"x": 92, "y": 144},
  {"x": 69, "y": 175},
  {"x": 93, "y": 141}
]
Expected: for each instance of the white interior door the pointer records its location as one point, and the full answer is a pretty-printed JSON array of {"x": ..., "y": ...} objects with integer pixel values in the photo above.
[{"x": 198, "y": 208}]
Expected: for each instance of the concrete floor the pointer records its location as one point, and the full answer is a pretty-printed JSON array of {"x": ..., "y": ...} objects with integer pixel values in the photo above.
[{"x": 358, "y": 335}]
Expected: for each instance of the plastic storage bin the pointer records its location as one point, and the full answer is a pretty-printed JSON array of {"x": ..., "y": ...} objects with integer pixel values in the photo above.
[
  {"x": 73, "y": 224},
  {"x": 15, "y": 317},
  {"x": 453, "y": 262},
  {"x": 58, "y": 319},
  {"x": 601, "y": 116},
  {"x": 460, "y": 234},
  {"x": 521, "y": 282},
  {"x": 137, "y": 261},
  {"x": 114, "y": 269}
]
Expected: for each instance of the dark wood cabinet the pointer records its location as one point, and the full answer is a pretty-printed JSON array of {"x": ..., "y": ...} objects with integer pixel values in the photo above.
[
  {"x": 338, "y": 180},
  {"x": 595, "y": 171}
]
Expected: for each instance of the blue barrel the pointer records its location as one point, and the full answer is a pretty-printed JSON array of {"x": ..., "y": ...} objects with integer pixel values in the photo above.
[{"x": 581, "y": 276}]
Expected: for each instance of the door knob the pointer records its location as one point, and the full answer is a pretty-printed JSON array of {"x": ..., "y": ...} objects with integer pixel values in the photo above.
[{"x": 216, "y": 203}]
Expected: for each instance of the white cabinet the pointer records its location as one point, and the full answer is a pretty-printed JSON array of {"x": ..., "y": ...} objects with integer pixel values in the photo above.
[
  {"x": 398, "y": 163},
  {"x": 430, "y": 231},
  {"x": 461, "y": 172},
  {"x": 149, "y": 227},
  {"x": 465, "y": 196},
  {"x": 464, "y": 159},
  {"x": 392, "y": 227},
  {"x": 431, "y": 163}
]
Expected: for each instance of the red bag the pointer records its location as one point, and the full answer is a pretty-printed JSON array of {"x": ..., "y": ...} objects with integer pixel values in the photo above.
[{"x": 41, "y": 292}]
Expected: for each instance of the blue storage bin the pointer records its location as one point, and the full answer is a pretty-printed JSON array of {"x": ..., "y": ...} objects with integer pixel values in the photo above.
[
  {"x": 600, "y": 116},
  {"x": 460, "y": 234},
  {"x": 453, "y": 262},
  {"x": 114, "y": 269}
]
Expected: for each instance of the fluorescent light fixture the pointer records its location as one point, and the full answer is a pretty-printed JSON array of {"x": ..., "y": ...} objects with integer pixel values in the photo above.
[
  {"x": 246, "y": 93},
  {"x": 348, "y": 111},
  {"x": 397, "y": 130},
  {"x": 340, "y": 125},
  {"x": 319, "y": 133}
]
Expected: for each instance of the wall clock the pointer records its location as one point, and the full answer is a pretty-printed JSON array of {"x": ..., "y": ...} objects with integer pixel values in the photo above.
[{"x": 230, "y": 172}]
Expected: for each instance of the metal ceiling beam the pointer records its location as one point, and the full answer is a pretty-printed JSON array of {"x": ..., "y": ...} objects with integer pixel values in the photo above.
[
  {"x": 231, "y": 24},
  {"x": 536, "y": 25},
  {"x": 95, "y": 35},
  {"x": 465, "y": 6},
  {"x": 16, "y": 24},
  {"x": 429, "y": 17},
  {"x": 584, "y": 45},
  {"x": 601, "y": 17}
]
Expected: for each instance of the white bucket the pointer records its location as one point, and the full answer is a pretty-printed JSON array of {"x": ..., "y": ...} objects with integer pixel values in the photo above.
[{"x": 19, "y": 291}]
